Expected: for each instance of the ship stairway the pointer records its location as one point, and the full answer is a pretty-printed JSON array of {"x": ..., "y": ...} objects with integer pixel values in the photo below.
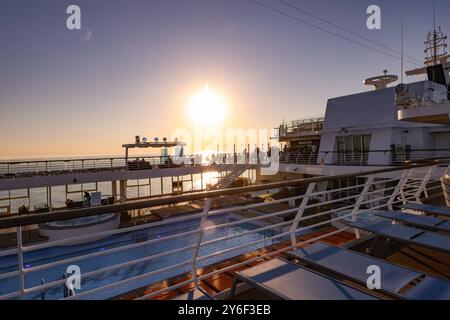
[{"x": 229, "y": 178}]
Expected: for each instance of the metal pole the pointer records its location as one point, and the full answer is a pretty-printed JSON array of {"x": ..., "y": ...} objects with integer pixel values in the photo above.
[
  {"x": 397, "y": 190},
  {"x": 402, "y": 188},
  {"x": 423, "y": 185},
  {"x": 20, "y": 262},
  {"x": 360, "y": 200},
  {"x": 199, "y": 240},
  {"x": 49, "y": 200},
  {"x": 201, "y": 181},
  {"x": 300, "y": 212},
  {"x": 42, "y": 289}
]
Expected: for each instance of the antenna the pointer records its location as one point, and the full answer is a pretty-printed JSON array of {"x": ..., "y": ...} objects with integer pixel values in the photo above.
[
  {"x": 436, "y": 44},
  {"x": 401, "y": 74},
  {"x": 434, "y": 15},
  {"x": 434, "y": 34}
]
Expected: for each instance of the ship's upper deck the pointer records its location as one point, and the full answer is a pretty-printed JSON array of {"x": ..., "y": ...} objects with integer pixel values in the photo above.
[{"x": 305, "y": 128}]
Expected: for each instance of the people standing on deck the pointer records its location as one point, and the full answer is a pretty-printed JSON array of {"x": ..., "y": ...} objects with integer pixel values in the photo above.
[
  {"x": 313, "y": 153},
  {"x": 87, "y": 196},
  {"x": 286, "y": 153}
]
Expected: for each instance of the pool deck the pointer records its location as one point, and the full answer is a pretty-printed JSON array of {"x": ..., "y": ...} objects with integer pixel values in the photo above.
[
  {"x": 222, "y": 282},
  {"x": 420, "y": 259},
  {"x": 417, "y": 258}
]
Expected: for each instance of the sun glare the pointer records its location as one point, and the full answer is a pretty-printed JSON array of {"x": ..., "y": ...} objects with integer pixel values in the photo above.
[{"x": 207, "y": 107}]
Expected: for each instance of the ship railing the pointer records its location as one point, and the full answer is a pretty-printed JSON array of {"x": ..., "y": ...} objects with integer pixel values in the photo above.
[
  {"x": 362, "y": 158},
  {"x": 314, "y": 209},
  {"x": 300, "y": 127},
  {"x": 415, "y": 102},
  {"x": 12, "y": 169},
  {"x": 60, "y": 165},
  {"x": 307, "y": 158}
]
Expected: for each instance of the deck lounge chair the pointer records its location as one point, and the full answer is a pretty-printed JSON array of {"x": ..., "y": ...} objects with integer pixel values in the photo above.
[
  {"x": 428, "y": 209},
  {"x": 407, "y": 235},
  {"x": 353, "y": 266},
  {"x": 423, "y": 222},
  {"x": 284, "y": 280}
]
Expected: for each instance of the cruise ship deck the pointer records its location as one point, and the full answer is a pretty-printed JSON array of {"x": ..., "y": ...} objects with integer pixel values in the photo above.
[
  {"x": 353, "y": 204},
  {"x": 228, "y": 249}
]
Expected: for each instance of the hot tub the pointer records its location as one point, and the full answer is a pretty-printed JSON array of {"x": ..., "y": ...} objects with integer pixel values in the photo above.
[{"x": 66, "y": 229}]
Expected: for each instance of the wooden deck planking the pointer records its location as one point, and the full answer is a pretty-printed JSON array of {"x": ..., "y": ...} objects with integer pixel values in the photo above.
[{"x": 423, "y": 260}]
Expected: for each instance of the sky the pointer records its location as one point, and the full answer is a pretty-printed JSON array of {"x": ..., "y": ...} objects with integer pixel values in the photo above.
[{"x": 133, "y": 66}]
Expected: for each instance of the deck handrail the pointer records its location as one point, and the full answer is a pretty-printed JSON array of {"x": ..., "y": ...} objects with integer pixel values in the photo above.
[
  {"x": 25, "y": 161},
  {"x": 26, "y": 168},
  {"x": 140, "y": 204}
]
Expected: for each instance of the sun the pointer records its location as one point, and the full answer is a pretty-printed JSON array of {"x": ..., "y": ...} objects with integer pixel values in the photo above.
[{"x": 207, "y": 107}]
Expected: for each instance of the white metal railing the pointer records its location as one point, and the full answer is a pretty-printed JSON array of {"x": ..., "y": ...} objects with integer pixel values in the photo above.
[
  {"x": 360, "y": 158},
  {"x": 374, "y": 193},
  {"x": 25, "y": 168},
  {"x": 30, "y": 168}
]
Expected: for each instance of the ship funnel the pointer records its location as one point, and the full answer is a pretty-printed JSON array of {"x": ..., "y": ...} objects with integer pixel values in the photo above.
[{"x": 381, "y": 82}]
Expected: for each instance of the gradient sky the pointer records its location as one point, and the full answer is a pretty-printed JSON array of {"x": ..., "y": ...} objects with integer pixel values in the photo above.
[{"x": 134, "y": 65}]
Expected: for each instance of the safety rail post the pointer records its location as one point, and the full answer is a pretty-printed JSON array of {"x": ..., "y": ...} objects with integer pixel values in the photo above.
[
  {"x": 198, "y": 241},
  {"x": 299, "y": 215},
  {"x": 402, "y": 189},
  {"x": 397, "y": 190},
  {"x": 423, "y": 185},
  {"x": 360, "y": 200},
  {"x": 20, "y": 262}
]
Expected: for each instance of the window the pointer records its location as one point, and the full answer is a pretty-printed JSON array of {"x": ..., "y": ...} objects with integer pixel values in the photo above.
[{"x": 353, "y": 149}]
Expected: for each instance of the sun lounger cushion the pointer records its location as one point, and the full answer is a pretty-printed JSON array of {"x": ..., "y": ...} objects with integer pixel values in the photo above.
[
  {"x": 291, "y": 282},
  {"x": 444, "y": 211},
  {"x": 410, "y": 219},
  {"x": 404, "y": 234},
  {"x": 430, "y": 289},
  {"x": 386, "y": 228},
  {"x": 434, "y": 240},
  {"x": 354, "y": 265}
]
